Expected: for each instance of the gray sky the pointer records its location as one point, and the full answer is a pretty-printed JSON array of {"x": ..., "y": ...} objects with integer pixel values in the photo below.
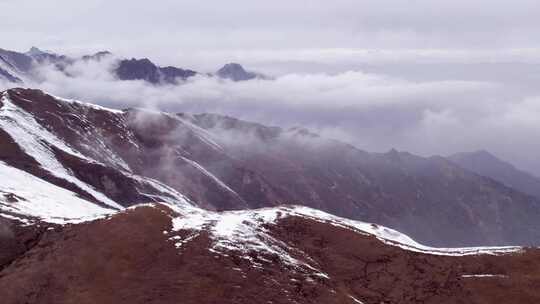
[
  {"x": 193, "y": 32},
  {"x": 430, "y": 77}
]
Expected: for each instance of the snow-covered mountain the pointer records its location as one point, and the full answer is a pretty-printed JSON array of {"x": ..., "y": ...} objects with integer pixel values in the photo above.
[
  {"x": 133, "y": 206},
  {"x": 119, "y": 158}
]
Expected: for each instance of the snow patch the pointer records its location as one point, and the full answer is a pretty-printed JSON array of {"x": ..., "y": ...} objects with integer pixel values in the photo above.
[
  {"x": 22, "y": 195},
  {"x": 243, "y": 232},
  {"x": 484, "y": 276},
  {"x": 87, "y": 105},
  {"x": 210, "y": 175}
]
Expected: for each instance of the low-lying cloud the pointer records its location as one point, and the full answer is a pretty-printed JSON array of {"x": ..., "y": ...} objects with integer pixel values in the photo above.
[{"x": 373, "y": 111}]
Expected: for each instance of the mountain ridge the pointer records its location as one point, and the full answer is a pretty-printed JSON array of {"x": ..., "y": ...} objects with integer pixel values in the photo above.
[
  {"x": 227, "y": 164},
  {"x": 123, "y": 69},
  {"x": 486, "y": 164}
]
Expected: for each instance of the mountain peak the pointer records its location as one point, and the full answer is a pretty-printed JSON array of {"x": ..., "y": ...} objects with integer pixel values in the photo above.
[
  {"x": 35, "y": 51},
  {"x": 235, "y": 72}
]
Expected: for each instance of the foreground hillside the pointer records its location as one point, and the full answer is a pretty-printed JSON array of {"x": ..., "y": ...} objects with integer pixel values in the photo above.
[
  {"x": 120, "y": 158},
  {"x": 154, "y": 254},
  {"x": 56, "y": 247}
]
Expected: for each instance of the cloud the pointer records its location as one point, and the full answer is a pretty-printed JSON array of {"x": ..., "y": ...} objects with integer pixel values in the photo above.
[
  {"x": 189, "y": 32},
  {"x": 375, "y": 112}
]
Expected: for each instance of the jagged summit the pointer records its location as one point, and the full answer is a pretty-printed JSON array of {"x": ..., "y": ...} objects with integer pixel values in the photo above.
[
  {"x": 124, "y": 69},
  {"x": 144, "y": 69},
  {"x": 34, "y": 51},
  {"x": 236, "y": 72}
]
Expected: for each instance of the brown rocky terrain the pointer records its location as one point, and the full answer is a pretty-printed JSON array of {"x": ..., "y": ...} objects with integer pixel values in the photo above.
[{"x": 133, "y": 257}]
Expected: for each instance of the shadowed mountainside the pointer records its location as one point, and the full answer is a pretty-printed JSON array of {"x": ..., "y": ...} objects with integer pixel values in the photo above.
[{"x": 222, "y": 163}]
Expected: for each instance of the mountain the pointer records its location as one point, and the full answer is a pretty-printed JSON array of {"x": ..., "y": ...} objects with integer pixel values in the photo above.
[
  {"x": 6, "y": 75},
  {"x": 15, "y": 66},
  {"x": 236, "y": 72},
  {"x": 20, "y": 61},
  {"x": 486, "y": 164},
  {"x": 48, "y": 57},
  {"x": 132, "y": 69},
  {"x": 144, "y": 69},
  {"x": 70, "y": 251},
  {"x": 97, "y": 56},
  {"x": 133, "y": 206},
  {"x": 9, "y": 72},
  {"x": 124, "y": 69},
  {"x": 119, "y": 158}
]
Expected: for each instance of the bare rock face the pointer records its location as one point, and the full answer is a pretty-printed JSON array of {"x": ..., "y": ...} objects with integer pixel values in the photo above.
[
  {"x": 143, "y": 256},
  {"x": 144, "y": 69},
  {"x": 123, "y": 158}
]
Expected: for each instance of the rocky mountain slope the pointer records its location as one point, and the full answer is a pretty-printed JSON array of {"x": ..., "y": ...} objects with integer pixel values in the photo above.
[
  {"x": 104, "y": 206},
  {"x": 486, "y": 164},
  {"x": 120, "y": 158},
  {"x": 56, "y": 247}
]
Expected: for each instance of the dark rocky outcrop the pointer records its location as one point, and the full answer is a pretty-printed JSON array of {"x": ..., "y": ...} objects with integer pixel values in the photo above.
[{"x": 144, "y": 69}]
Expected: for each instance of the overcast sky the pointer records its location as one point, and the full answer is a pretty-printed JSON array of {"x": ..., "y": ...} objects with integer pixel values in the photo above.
[
  {"x": 189, "y": 32},
  {"x": 430, "y": 77}
]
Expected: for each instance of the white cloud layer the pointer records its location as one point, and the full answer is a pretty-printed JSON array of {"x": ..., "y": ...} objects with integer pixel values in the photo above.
[
  {"x": 431, "y": 77},
  {"x": 373, "y": 111}
]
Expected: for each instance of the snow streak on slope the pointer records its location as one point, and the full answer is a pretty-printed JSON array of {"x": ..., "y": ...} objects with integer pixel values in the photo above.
[
  {"x": 37, "y": 142},
  {"x": 168, "y": 195},
  {"x": 201, "y": 133},
  {"x": 245, "y": 231},
  {"x": 86, "y": 104},
  {"x": 210, "y": 175},
  {"x": 393, "y": 237},
  {"x": 22, "y": 195}
]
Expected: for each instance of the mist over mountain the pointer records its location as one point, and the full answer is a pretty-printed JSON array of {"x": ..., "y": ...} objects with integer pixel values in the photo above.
[
  {"x": 373, "y": 111},
  {"x": 223, "y": 163},
  {"x": 278, "y": 152},
  {"x": 87, "y": 189}
]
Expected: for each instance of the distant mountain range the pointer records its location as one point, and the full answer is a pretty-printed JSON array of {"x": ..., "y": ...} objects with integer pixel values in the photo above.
[{"x": 15, "y": 67}]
